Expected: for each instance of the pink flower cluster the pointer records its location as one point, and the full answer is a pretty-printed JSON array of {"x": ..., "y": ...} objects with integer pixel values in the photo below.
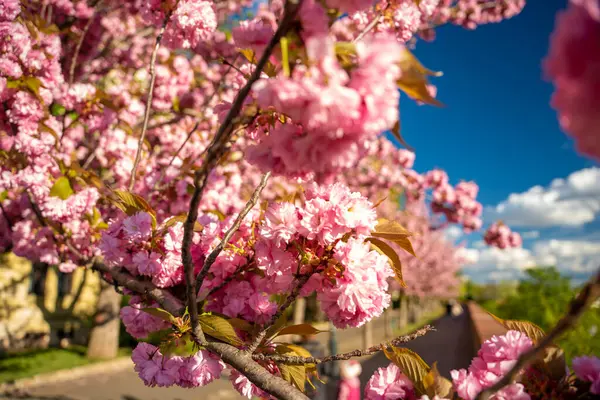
[
  {"x": 458, "y": 203},
  {"x": 349, "y": 278},
  {"x": 501, "y": 236},
  {"x": 132, "y": 244},
  {"x": 587, "y": 368},
  {"x": 157, "y": 370},
  {"x": 138, "y": 323},
  {"x": 573, "y": 65},
  {"x": 191, "y": 23},
  {"x": 495, "y": 358},
  {"x": 340, "y": 111},
  {"x": 389, "y": 384}
]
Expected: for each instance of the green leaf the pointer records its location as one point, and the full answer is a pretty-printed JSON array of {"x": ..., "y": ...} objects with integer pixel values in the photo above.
[
  {"x": 396, "y": 133},
  {"x": 131, "y": 204},
  {"x": 4, "y": 195},
  {"x": 61, "y": 188},
  {"x": 411, "y": 364},
  {"x": 413, "y": 80},
  {"x": 43, "y": 127},
  {"x": 387, "y": 250},
  {"x": 219, "y": 328},
  {"x": 534, "y": 332},
  {"x": 160, "y": 313},
  {"x": 435, "y": 384},
  {"x": 277, "y": 326},
  {"x": 300, "y": 329},
  {"x": 295, "y": 350},
  {"x": 406, "y": 245},
  {"x": 294, "y": 374},
  {"x": 390, "y": 230},
  {"x": 183, "y": 347},
  {"x": 241, "y": 324},
  {"x": 57, "y": 109}
]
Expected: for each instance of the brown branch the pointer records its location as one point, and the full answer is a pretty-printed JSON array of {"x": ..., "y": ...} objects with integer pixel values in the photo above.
[
  {"x": 218, "y": 147},
  {"x": 371, "y": 25},
  {"x": 164, "y": 171},
  {"x": 588, "y": 294},
  {"x": 138, "y": 154},
  {"x": 231, "y": 355},
  {"x": 297, "y": 360},
  {"x": 5, "y": 215},
  {"x": 86, "y": 28},
  {"x": 162, "y": 297},
  {"x": 212, "y": 257},
  {"x": 288, "y": 302},
  {"x": 256, "y": 373}
]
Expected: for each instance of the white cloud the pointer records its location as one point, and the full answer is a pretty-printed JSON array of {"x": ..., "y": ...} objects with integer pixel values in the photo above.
[
  {"x": 530, "y": 235},
  {"x": 573, "y": 202},
  {"x": 452, "y": 233},
  {"x": 573, "y": 257}
]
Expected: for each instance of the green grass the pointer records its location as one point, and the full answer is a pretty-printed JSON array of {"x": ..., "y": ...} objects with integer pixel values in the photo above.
[{"x": 33, "y": 362}]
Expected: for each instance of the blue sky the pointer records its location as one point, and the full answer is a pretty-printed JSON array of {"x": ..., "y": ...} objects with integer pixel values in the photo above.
[{"x": 499, "y": 130}]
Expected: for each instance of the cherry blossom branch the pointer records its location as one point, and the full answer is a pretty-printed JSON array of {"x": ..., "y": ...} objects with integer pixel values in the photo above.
[
  {"x": 231, "y": 355},
  {"x": 297, "y": 360},
  {"x": 587, "y": 295},
  {"x": 163, "y": 297},
  {"x": 217, "y": 148},
  {"x": 371, "y": 25},
  {"x": 138, "y": 154},
  {"x": 210, "y": 260},
  {"x": 86, "y": 28},
  {"x": 288, "y": 302}
]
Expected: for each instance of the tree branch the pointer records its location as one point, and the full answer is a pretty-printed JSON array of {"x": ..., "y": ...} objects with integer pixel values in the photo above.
[
  {"x": 371, "y": 24},
  {"x": 588, "y": 294},
  {"x": 86, "y": 28},
  {"x": 231, "y": 355},
  {"x": 297, "y": 360},
  {"x": 288, "y": 301},
  {"x": 163, "y": 297},
  {"x": 138, "y": 154},
  {"x": 210, "y": 260},
  {"x": 217, "y": 148}
]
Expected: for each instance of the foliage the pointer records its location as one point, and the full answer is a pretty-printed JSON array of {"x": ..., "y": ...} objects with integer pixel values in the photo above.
[{"x": 542, "y": 298}]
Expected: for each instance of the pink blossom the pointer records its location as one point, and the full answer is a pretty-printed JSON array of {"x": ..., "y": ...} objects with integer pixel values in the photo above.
[
  {"x": 573, "y": 65},
  {"x": 153, "y": 368},
  {"x": 587, "y": 368},
  {"x": 200, "y": 369},
  {"x": 192, "y": 23},
  {"x": 67, "y": 267},
  {"x": 467, "y": 386},
  {"x": 138, "y": 225},
  {"x": 244, "y": 386},
  {"x": 9, "y": 9},
  {"x": 389, "y": 384},
  {"x": 515, "y": 391},
  {"x": 281, "y": 222}
]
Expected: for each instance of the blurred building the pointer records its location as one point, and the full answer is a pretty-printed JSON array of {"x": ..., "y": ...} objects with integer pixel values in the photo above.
[{"x": 40, "y": 306}]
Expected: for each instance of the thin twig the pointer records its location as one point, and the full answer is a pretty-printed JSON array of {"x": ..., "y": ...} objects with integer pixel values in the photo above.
[
  {"x": 587, "y": 295},
  {"x": 297, "y": 360},
  {"x": 148, "y": 109},
  {"x": 164, "y": 171},
  {"x": 5, "y": 215},
  {"x": 371, "y": 24},
  {"x": 288, "y": 302},
  {"x": 86, "y": 28},
  {"x": 217, "y": 148},
  {"x": 210, "y": 260}
]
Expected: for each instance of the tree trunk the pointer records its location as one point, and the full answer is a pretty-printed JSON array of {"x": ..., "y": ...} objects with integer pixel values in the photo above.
[
  {"x": 104, "y": 335},
  {"x": 387, "y": 321},
  {"x": 367, "y": 332},
  {"x": 403, "y": 312}
]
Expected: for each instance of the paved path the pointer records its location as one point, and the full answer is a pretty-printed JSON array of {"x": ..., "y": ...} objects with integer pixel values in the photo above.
[{"x": 450, "y": 345}]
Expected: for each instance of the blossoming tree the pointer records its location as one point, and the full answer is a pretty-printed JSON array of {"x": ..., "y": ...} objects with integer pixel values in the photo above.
[{"x": 217, "y": 177}]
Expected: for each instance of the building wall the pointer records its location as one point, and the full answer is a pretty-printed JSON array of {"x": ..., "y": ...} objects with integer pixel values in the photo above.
[{"x": 27, "y": 320}]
